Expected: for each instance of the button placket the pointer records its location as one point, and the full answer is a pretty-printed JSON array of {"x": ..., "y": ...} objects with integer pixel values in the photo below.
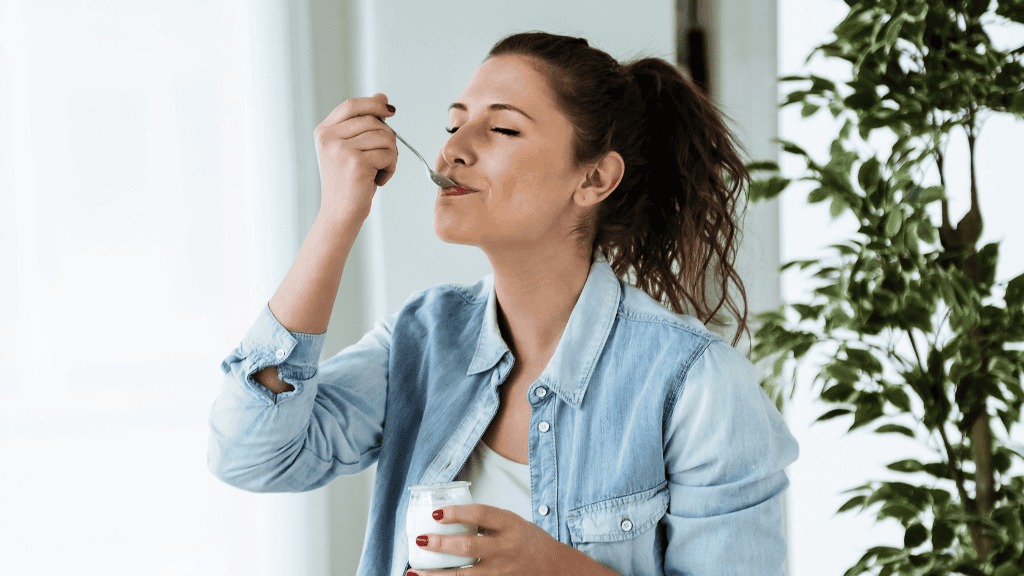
[{"x": 544, "y": 490}]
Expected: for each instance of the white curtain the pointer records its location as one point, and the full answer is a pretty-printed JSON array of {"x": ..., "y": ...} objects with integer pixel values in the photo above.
[{"x": 148, "y": 208}]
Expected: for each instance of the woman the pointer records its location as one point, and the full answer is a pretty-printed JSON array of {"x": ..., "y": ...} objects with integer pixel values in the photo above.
[{"x": 604, "y": 433}]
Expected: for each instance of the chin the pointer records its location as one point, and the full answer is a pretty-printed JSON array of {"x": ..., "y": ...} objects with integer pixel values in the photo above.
[{"x": 450, "y": 230}]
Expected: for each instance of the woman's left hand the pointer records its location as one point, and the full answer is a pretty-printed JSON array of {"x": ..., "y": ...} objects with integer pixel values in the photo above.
[{"x": 507, "y": 544}]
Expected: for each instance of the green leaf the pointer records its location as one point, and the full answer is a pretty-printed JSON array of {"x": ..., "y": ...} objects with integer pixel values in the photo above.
[
  {"x": 838, "y": 393},
  {"x": 1017, "y": 104},
  {"x": 842, "y": 372},
  {"x": 907, "y": 466},
  {"x": 766, "y": 189},
  {"x": 762, "y": 165},
  {"x": 838, "y": 207},
  {"x": 939, "y": 496},
  {"x": 898, "y": 511},
  {"x": 938, "y": 470},
  {"x": 892, "y": 31},
  {"x": 892, "y": 223},
  {"x": 834, "y": 413},
  {"x": 931, "y": 194},
  {"x": 897, "y": 397},
  {"x": 867, "y": 411},
  {"x": 869, "y": 174},
  {"x": 894, "y": 429},
  {"x": 852, "y": 503},
  {"x": 864, "y": 360},
  {"x": 942, "y": 535},
  {"x": 809, "y": 109},
  {"x": 817, "y": 195},
  {"x": 1015, "y": 292},
  {"x": 792, "y": 148},
  {"x": 916, "y": 535}
]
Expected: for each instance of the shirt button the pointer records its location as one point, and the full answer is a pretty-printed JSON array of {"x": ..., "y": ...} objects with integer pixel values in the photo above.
[
  {"x": 279, "y": 353},
  {"x": 626, "y": 525},
  {"x": 541, "y": 392},
  {"x": 543, "y": 510},
  {"x": 543, "y": 427}
]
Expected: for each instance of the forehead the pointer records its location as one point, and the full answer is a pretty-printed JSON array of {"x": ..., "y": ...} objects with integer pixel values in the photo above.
[{"x": 509, "y": 79}]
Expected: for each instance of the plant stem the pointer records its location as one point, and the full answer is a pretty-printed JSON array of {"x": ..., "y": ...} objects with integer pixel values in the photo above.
[{"x": 958, "y": 476}]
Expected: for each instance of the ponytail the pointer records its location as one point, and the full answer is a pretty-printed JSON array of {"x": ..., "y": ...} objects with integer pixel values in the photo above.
[{"x": 673, "y": 218}]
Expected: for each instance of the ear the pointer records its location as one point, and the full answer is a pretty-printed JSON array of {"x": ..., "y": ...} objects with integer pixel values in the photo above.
[{"x": 601, "y": 180}]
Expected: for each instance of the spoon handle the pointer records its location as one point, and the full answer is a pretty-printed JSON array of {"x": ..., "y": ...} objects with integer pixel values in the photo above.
[{"x": 411, "y": 148}]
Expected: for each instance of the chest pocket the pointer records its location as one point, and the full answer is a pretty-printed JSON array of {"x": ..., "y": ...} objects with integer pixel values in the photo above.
[{"x": 622, "y": 533}]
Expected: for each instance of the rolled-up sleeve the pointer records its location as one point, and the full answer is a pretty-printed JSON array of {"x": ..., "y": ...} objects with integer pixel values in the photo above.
[
  {"x": 330, "y": 424},
  {"x": 726, "y": 449}
]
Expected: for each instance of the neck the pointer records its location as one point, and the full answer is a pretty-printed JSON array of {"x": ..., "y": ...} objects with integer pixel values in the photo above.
[{"x": 537, "y": 290}]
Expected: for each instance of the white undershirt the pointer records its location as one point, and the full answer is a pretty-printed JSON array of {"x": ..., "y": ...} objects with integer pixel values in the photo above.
[{"x": 498, "y": 481}]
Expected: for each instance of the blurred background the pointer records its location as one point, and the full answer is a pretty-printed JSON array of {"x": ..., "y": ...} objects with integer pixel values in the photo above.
[{"x": 158, "y": 172}]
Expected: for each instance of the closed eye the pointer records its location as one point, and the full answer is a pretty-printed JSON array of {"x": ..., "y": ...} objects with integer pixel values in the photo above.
[{"x": 504, "y": 131}]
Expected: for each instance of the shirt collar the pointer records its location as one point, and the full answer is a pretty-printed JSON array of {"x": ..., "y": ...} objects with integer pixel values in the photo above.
[{"x": 568, "y": 372}]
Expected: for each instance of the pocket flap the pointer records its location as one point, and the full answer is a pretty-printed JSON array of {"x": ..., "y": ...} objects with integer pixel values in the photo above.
[{"x": 618, "y": 519}]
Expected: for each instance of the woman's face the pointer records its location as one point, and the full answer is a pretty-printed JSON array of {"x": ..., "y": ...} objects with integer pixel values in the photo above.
[{"x": 512, "y": 147}]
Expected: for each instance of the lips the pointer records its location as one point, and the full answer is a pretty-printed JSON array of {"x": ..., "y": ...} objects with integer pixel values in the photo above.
[{"x": 456, "y": 191}]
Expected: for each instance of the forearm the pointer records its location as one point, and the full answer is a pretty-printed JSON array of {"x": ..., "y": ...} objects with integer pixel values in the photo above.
[{"x": 304, "y": 301}]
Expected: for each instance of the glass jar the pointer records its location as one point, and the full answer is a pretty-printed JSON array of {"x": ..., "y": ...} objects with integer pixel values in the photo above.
[{"x": 419, "y": 520}]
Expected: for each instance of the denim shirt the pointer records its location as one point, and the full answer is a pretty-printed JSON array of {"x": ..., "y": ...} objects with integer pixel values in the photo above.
[{"x": 652, "y": 448}]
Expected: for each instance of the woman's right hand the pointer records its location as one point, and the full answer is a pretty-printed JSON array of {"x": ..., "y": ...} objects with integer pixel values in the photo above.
[{"x": 357, "y": 152}]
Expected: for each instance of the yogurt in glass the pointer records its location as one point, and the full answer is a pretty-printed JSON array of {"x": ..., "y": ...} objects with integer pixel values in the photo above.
[{"x": 423, "y": 500}]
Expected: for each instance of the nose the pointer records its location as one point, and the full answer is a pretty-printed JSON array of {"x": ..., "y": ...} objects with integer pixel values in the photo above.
[{"x": 458, "y": 150}]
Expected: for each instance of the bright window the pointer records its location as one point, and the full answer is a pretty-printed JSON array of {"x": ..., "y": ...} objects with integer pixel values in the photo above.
[{"x": 133, "y": 168}]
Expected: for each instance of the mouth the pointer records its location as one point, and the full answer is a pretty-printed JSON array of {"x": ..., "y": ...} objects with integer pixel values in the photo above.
[{"x": 456, "y": 191}]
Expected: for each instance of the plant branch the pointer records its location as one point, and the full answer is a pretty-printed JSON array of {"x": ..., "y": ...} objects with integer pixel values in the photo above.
[
  {"x": 958, "y": 474},
  {"x": 913, "y": 343}
]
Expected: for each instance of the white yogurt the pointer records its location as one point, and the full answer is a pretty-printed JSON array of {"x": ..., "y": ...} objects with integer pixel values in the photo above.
[{"x": 423, "y": 500}]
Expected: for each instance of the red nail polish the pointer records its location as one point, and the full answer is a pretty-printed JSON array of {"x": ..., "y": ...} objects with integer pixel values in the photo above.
[
  {"x": 438, "y": 514},
  {"x": 422, "y": 540},
  {"x": 391, "y": 108}
]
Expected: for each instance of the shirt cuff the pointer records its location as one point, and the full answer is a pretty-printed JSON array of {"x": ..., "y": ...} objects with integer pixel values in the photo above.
[{"x": 268, "y": 343}]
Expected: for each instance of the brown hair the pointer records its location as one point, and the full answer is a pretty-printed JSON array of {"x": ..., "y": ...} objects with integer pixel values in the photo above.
[{"x": 673, "y": 216}]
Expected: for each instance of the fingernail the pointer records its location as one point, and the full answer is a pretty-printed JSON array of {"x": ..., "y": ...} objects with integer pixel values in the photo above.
[
  {"x": 438, "y": 514},
  {"x": 422, "y": 540},
  {"x": 391, "y": 108}
]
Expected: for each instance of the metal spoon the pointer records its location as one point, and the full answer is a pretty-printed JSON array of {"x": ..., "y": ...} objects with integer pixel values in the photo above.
[{"x": 437, "y": 178}]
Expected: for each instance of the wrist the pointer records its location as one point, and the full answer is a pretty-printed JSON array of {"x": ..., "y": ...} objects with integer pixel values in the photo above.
[{"x": 342, "y": 219}]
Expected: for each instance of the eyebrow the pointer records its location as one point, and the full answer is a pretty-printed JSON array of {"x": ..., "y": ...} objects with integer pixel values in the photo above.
[{"x": 461, "y": 106}]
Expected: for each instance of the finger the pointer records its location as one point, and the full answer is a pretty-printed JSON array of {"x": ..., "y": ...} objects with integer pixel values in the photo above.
[
  {"x": 487, "y": 517},
  {"x": 376, "y": 105},
  {"x": 466, "y": 545},
  {"x": 376, "y": 140},
  {"x": 359, "y": 125}
]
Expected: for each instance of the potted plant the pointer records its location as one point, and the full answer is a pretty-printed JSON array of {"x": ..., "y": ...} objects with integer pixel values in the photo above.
[{"x": 920, "y": 337}]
